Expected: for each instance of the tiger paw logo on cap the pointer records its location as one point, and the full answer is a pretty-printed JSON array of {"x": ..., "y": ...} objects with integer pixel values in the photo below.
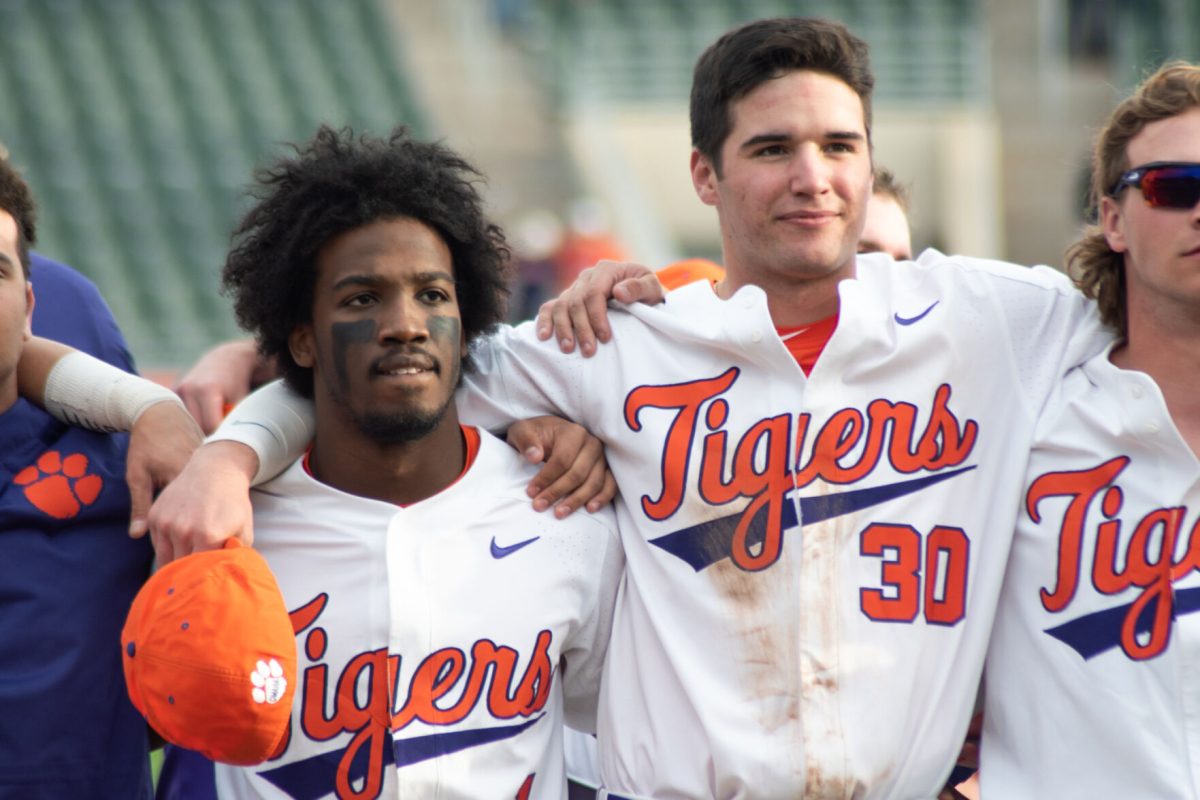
[
  {"x": 210, "y": 655},
  {"x": 269, "y": 682}
]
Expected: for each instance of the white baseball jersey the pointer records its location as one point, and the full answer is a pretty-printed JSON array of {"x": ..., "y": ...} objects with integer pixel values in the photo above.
[
  {"x": 812, "y": 564},
  {"x": 1093, "y": 685},
  {"x": 579, "y": 751},
  {"x": 441, "y": 644}
]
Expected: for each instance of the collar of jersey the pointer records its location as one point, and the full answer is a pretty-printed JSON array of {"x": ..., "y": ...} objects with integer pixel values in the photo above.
[{"x": 470, "y": 441}]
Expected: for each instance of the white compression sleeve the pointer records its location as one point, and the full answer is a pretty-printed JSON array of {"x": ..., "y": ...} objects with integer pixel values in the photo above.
[
  {"x": 274, "y": 422},
  {"x": 90, "y": 393}
]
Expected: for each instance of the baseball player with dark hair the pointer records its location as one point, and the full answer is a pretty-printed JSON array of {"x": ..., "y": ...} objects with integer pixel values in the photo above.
[
  {"x": 1092, "y": 679},
  {"x": 807, "y": 597},
  {"x": 446, "y": 629}
]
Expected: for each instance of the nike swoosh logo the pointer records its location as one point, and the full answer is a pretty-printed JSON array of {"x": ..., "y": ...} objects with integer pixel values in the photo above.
[
  {"x": 912, "y": 320},
  {"x": 1100, "y": 631},
  {"x": 499, "y": 551},
  {"x": 709, "y": 542}
]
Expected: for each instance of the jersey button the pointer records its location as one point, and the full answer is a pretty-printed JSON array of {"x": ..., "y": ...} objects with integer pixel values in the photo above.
[
  {"x": 756, "y": 336},
  {"x": 1136, "y": 391}
]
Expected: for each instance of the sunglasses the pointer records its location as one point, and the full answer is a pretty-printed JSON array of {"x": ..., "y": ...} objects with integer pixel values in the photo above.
[{"x": 1164, "y": 184}]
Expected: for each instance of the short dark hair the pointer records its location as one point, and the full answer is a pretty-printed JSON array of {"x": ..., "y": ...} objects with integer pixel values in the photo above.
[
  {"x": 887, "y": 185},
  {"x": 338, "y": 182},
  {"x": 745, "y": 57},
  {"x": 17, "y": 200}
]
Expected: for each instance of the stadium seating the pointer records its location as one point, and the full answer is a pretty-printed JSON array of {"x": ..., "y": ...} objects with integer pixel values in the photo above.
[
  {"x": 138, "y": 123},
  {"x": 924, "y": 51}
]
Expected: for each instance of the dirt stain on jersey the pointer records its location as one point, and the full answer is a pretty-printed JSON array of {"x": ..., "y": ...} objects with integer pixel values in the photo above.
[
  {"x": 827, "y": 772},
  {"x": 761, "y": 609},
  {"x": 819, "y": 786}
]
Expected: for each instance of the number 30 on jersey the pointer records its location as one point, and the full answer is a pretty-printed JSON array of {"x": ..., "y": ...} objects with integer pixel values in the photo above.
[{"x": 919, "y": 574}]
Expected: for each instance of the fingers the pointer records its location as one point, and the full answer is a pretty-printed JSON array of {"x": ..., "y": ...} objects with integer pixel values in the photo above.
[
  {"x": 579, "y": 316},
  {"x": 525, "y": 436},
  {"x": 545, "y": 320},
  {"x": 164, "y": 552},
  {"x": 162, "y": 439},
  {"x": 168, "y": 543},
  {"x": 207, "y": 503},
  {"x": 180, "y": 529},
  {"x": 587, "y": 494},
  {"x": 573, "y": 474},
  {"x": 141, "y": 496},
  {"x": 582, "y": 315},
  {"x": 607, "y": 493},
  {"x": 645, "y": 289},
  {"x": 222, "y": 377},
  {"x": 206, "y": 406},
  {"x": 570, "y": 318},
  {"x": 564, "y": 327}
]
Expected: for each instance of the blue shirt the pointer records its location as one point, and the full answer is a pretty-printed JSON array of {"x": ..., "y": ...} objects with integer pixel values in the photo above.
[
  {"x": 68, "y": 308},
  {"x": 68, "y": 573}
]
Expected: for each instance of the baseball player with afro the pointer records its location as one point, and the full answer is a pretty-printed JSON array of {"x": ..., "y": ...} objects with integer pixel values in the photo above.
[
  {"x": 1092, "y": 686},
  {"x": 446, "y": 628}
]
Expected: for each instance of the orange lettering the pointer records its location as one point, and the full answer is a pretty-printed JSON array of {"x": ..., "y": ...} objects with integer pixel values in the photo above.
[
  {"x": 687, "y": 398},
  {"x": 1082, "y": 487}
]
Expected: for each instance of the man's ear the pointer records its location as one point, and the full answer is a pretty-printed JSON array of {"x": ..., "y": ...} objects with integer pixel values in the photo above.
[
  {"x": 704, "y": 178},
  {"x": 1112, "y": 222},
  {"x": 27, "y": 334},
  {"x": 300, "y": 345}
]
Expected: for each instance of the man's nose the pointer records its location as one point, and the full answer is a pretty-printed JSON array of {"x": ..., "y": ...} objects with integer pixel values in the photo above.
[
  {"x": 809, "y": 171},
  {"x": 402, "y": 320}
]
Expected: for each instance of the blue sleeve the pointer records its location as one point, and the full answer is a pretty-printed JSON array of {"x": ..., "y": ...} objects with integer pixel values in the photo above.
[{"x": 68, "y": 308}]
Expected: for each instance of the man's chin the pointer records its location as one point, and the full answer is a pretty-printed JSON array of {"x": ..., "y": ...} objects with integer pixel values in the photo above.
[
  {"x": 815, "y": 261},
  {"x": 398, "y": 428}
]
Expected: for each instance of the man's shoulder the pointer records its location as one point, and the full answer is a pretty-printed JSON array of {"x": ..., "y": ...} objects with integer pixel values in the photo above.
[
  {"x": 506, "y": 473},
  {"x": 70, "y": 309},
  {"x": 56, "y": 282},
  {"x": 25, "y": 428},
  {"x": 961, "y": 268},
  {"x": 638, "y": 331},
  {"x": 969, "y": 284}
]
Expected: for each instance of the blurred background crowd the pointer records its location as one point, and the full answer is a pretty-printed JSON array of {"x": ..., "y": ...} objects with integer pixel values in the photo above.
[{"x": 138, "y": 122}]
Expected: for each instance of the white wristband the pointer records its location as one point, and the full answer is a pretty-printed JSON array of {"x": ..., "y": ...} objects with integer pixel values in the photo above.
[
  {"x": 274, "y": 422},
  {"x": 89, "y": 393}
]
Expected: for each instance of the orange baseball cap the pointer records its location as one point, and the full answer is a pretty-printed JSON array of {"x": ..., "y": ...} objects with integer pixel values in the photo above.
[
  {"x": 210, "y": 655},
  {"x": 688, "y": 271}
]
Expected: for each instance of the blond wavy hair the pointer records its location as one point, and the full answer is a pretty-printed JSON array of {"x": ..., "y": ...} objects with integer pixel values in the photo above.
[{"x": 1096, "y": 269}]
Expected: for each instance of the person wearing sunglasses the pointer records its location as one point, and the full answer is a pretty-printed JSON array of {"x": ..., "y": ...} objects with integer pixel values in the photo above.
[{"x": 1092, "y": 685}]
